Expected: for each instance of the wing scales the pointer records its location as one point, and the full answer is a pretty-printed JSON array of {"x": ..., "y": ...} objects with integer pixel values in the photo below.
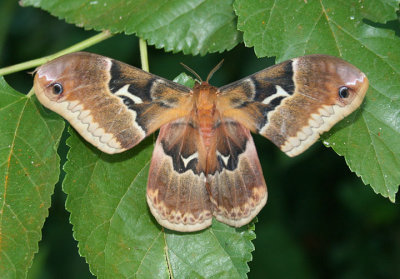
[
  {"x": 237, "y": 187},
  {"x": 202, "y": 165},
  {"x": 295, "y": 101},
  {"x": 111, "y": 104},
  {"x": 224, "y": 181},
  {"x": 176, "y": 190}
]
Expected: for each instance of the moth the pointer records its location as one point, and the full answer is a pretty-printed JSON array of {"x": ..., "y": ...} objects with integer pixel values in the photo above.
[{"x": 204, "y": 162}]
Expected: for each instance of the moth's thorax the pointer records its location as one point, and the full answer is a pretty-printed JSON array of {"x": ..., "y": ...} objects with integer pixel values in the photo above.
[{"x": 205, "y": 96}]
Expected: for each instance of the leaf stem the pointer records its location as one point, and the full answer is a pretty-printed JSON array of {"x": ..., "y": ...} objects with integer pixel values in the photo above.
[
  {"x": 144, "y": 59},
  {"x": 30, "y": 93},
  {"x": 169, "y": 267},
  {"x": 37, "y": 62}
]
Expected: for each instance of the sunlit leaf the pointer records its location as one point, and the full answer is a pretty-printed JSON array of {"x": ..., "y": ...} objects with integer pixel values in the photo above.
[
  {"x": 29, "y": 169},
  {"x": 191, "y": 26},
  {"x": 369, "y": 138}
]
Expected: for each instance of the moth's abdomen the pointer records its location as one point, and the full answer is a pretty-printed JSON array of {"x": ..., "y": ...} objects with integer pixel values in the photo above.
[{"x": 206, "y": 124}]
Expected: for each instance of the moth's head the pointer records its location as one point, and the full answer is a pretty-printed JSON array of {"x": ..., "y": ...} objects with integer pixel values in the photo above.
[{"x": 199, "y": 81}]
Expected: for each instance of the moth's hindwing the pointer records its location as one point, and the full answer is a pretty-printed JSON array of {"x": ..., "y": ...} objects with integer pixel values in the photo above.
[
  {"x": 176, "y": 189},
  {"x": 293, "y": 102},
  {"x": 111, "y": 104},
  {"x": 237, "y": 187},
  {"x": 188, "y": 185}
]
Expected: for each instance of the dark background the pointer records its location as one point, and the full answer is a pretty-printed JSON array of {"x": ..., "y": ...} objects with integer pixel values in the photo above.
[{"x": 320, "y": 221}]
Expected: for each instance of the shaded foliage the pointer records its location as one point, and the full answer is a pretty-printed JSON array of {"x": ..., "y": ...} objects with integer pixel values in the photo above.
[{"x": 320, "y": 220}]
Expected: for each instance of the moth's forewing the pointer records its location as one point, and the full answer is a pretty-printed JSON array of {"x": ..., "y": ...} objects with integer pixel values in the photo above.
[
  {"x": 111, "y": 104},
  {"x": 292, "y": 103}
]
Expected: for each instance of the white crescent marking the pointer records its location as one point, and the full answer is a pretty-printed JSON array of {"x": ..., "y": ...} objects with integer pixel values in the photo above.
[
  {"x": 224, "y": 158},
  {"x": 280, "y": 92},
  {"x": 123, "y": 91},
  {"x": 187, "y": 160}
]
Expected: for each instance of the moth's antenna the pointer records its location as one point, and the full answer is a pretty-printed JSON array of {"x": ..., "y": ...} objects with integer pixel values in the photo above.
[
  {"x": 214, "y": 70},
  {"x": 192, "y": 71}
]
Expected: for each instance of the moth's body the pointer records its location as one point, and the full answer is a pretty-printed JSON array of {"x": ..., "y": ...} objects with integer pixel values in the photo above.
[
  {"x": 204, "y": 111},
  {"x": 205, "y": 118},
  {"x": 204, "y": 163}
]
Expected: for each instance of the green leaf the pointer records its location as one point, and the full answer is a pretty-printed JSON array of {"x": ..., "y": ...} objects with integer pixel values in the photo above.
[
  {"x": 117, "y": 233},
  {"x": 29, "y": 169},
  {"x": 368, "y": 139},
  {"x": 183, "y": 78},
  {"x": 218, "y": 252},
  {"x": 106, "y": 198},
  {"x": 281, "y": 29},
  {"x": 191, "y": 26},
  {"x": 119, "y": 237}
]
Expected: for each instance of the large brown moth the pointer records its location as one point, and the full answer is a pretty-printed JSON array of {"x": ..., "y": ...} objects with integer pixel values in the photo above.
[{"x": 204, "y": 163}]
